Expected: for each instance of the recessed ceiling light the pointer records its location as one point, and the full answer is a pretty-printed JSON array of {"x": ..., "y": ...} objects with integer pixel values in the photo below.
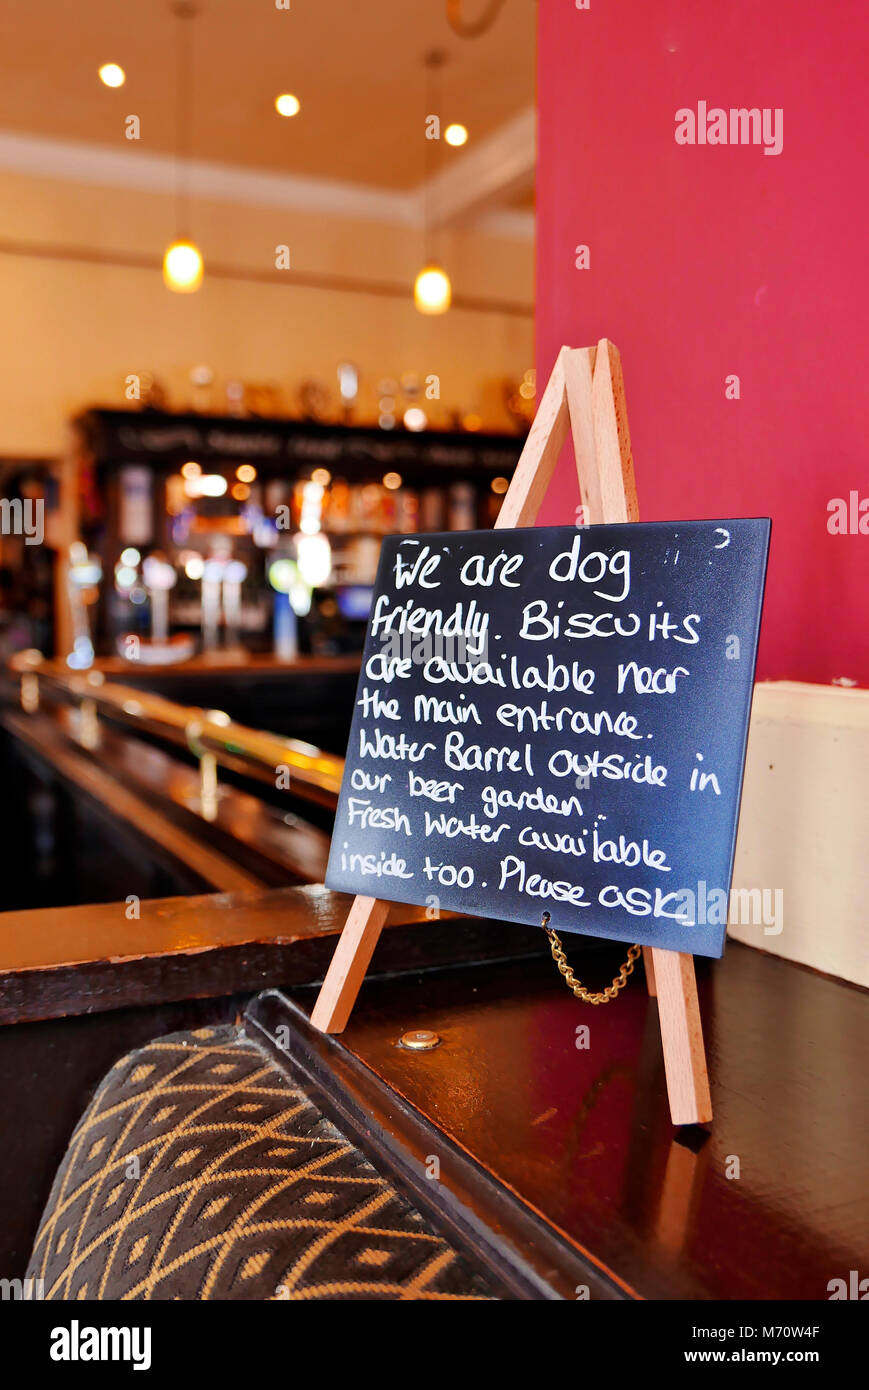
[
  {"x": 456, "y": 134},
  {"x": 111, "y": 75},
  {"x": 287, "y": 104}
]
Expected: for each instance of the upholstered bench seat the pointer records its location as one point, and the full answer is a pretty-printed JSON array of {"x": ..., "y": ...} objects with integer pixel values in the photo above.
[{"x": 202, "y": 1171}]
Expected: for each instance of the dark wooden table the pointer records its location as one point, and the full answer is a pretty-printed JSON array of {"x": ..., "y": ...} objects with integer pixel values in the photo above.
[
  {"x": 558, "y": 1166},
  {"x": 771, "y": 1203}
]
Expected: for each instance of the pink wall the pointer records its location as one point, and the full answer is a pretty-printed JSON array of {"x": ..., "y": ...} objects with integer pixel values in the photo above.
[{"x": 718, "y": 259}]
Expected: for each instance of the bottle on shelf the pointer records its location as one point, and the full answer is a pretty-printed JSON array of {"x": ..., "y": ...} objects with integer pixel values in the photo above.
[{"x": 462, "y": 507}]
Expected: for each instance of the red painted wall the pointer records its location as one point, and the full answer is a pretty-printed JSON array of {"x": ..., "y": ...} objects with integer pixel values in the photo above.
[{"x": 718, "y": 259}]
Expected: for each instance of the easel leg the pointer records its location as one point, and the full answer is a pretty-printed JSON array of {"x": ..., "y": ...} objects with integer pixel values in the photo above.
[
  {"x": 348, "y": 966},
  {"x": 682, "y": 1038},
  {"x": 649, "y": 967}
]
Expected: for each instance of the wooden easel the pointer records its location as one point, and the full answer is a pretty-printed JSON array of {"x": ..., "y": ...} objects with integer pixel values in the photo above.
[{"x": 585, "y": 391}]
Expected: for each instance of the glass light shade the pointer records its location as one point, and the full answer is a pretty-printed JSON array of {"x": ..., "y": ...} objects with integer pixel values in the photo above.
[
  {"x": 287, "y": 104},
  {"x": 432, "y": 291},
  {"x": 112, "y": 75},
  {"x": 182, "y": 267}
]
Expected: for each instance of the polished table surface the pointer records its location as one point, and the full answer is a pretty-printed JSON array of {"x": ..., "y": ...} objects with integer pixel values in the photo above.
[{"x": 771, "y": 1203}]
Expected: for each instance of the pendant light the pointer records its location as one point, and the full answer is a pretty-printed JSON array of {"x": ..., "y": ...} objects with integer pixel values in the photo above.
[
  {"x": 182, "y": 262},
  {"x": 432, "y": 291}
]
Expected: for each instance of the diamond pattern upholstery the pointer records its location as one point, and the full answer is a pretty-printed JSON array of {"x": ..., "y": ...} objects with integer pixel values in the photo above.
[{"x": 200, "y": 1171}]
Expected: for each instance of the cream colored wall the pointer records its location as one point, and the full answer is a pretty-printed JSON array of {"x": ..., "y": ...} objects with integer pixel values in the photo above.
[
  {"x": 803, "y": 824},
  {"x": 71, "y": 332}
]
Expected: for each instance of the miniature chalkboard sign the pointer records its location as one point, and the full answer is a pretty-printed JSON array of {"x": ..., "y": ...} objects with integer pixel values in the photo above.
[
  {"x": 585, "y": 395},
  {"x": 553, "y": 721}
]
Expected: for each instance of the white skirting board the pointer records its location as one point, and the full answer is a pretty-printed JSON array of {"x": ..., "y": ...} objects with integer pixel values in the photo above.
[{"x": 804, "y": 827}]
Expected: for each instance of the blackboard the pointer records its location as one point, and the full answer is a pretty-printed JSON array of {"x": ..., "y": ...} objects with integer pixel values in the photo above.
[{"x": 550, "y": 727}]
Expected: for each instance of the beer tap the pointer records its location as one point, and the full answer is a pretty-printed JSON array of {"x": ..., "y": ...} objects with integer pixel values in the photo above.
[
  {"x": 234, "y": 574},
  {"x": 212, "y": 578},
  {"x": 159, "y": 577},
  {"x": 83, "y": 575},
  {"x": 290, "y": 598}
]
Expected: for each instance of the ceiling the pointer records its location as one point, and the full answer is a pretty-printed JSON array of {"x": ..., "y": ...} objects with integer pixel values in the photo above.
[{"x": 356, "y": 66}]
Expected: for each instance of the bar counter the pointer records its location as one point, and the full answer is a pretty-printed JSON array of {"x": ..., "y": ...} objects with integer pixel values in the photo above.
[{"x": 310, "y": 697}]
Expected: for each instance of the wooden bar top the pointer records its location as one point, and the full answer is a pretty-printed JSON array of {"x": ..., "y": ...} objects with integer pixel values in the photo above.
[
  {"x": 46, "y": 938},
  {"x": 56, "y": 962}
]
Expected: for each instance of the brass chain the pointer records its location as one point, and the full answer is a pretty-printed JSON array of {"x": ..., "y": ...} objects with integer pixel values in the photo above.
[{"x": 606, "y": 995}]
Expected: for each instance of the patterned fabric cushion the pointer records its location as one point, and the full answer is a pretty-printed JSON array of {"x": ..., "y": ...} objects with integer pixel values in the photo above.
[{"x": 200, "y": 1171}]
